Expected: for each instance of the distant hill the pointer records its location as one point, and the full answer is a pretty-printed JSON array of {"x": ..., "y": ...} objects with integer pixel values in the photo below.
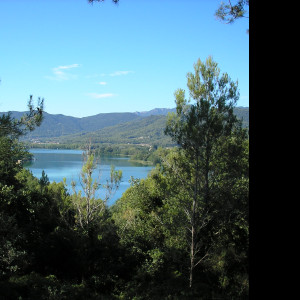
[
  {"x": 243, "y": 114},
  {"x": 61, "y": 125},
  {"x": 134, "y": 128},
  {"x": 148, "y": 130},
  {"x": 144, "y": 131}
]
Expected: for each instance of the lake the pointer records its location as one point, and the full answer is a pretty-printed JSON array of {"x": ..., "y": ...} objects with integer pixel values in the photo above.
[{"x": 58, "y": 164}]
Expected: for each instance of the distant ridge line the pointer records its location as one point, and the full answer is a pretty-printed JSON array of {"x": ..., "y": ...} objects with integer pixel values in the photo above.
[{"x": 59, "y": 125}]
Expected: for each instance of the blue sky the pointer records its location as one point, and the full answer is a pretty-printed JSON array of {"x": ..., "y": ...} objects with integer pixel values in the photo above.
[{"x": 87, "y": 59}]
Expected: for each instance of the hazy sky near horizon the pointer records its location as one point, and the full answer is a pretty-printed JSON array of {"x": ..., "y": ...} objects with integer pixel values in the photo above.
[{"x": 87, "y": 59}]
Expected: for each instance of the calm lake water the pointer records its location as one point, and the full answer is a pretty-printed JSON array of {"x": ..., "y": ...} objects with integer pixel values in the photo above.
[{"x": 58, "y": 164}]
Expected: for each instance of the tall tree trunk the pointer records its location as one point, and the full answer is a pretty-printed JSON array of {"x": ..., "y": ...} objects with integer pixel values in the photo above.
[
  {"x": 193, "y": 223},
  {"x": 192, "y": 254}
]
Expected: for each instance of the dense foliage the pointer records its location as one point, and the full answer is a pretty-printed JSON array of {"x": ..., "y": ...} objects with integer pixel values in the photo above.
[{"x": 181, "y": 233}]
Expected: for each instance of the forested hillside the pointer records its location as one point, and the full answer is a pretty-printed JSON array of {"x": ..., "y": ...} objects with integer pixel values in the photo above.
[
  {"x": 115, "y": 128},
  {"x": 145, "y": 131},
  {"x": 61, "y": 125}
]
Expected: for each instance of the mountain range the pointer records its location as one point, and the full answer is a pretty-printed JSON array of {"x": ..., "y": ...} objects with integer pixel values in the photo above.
[{"x": 129, "y": 127}]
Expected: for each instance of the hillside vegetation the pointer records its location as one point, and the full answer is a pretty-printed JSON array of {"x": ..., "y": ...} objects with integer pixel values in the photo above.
[
  {"x": 139, "y": 128},
  {"x": 145, "y": 131},
  {"x": 61, "y": 125}
]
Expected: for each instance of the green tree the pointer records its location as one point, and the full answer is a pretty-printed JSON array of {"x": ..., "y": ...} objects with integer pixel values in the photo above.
[
  {"x": 153, "y": 221},
  {"x": 197, "y": 128},
  {"x": 13, "y": 128},
  {"x": 12, "y": 151},
  {"x": 229, "y": 260},
  {"x": 137, "y": 216},
  {"x": 43, "y": 181},
  {"x": 89, "y": 206},
  {"x": 229, "y": 12}
]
